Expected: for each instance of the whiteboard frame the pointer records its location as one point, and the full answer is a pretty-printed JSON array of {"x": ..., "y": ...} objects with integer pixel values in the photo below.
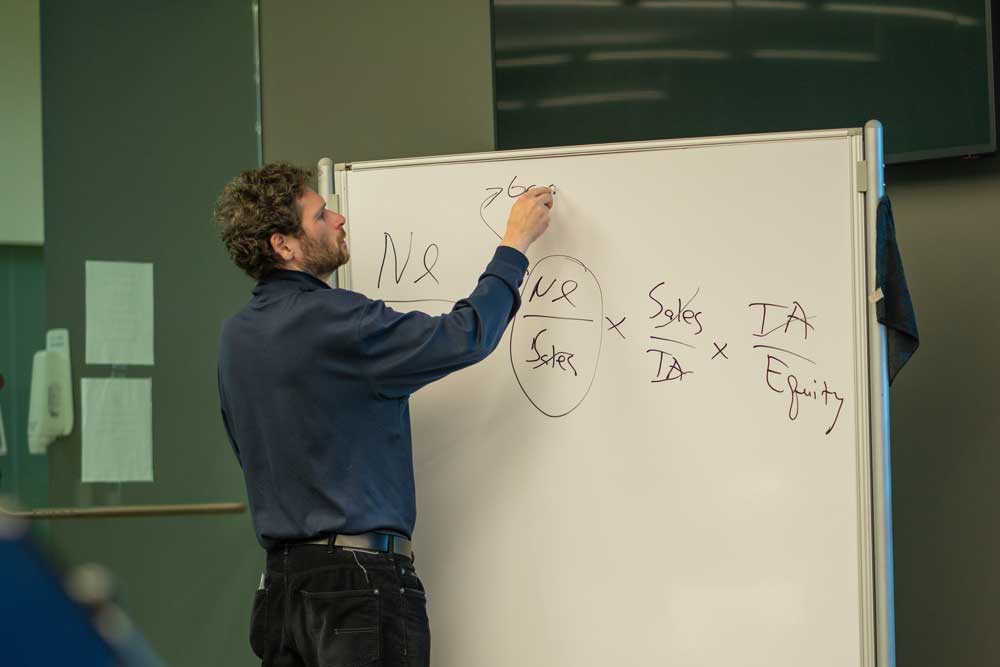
[
  {"x": 881, "y": 473},
  {"x": 597, "y": 149},
  {"x": 874, "y": 460}
]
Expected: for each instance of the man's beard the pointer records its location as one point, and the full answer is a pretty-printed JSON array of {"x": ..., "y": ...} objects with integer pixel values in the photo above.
[{"x": 322, "y": 260}]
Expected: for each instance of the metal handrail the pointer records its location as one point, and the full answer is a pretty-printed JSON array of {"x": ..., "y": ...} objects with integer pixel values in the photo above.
[{"x": 125, "y": 511}]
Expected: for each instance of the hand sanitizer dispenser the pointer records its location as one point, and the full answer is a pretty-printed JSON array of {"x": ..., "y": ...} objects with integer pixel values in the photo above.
[
  {"x": 50, "y": 413},
  {"x": 3, "y": 432}
]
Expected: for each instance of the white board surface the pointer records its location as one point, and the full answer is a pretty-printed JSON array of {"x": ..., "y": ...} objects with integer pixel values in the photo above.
[{"x": 664, "y": 462}]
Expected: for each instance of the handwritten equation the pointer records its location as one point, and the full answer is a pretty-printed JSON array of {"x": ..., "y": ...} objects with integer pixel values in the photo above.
[
  {"x": 557, "y": 337},
  {"x": 555, "y": 334}
]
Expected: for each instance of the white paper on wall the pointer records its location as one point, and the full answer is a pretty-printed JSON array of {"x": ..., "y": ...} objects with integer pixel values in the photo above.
[
  {"x": 117, "y": 443},
  {"x": 119, "y": 313}
]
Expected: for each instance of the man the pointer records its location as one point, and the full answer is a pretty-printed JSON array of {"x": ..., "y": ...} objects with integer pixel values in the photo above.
[{"x": 314, "y": 385}]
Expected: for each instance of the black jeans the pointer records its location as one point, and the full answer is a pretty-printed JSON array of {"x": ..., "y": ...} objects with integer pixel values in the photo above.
[{"x": 324, "y": 607}]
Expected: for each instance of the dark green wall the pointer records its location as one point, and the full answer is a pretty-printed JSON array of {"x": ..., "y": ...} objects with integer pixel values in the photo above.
[
  {"x": 148, "y": 109},
  {"x": 23, "y": 476}
]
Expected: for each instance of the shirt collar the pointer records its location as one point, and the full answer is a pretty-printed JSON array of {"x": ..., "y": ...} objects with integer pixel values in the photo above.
[{"x": 283, "y": 280}]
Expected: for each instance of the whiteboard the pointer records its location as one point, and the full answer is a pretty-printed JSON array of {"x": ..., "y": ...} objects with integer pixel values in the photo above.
[{"x": 666, "y": 461}]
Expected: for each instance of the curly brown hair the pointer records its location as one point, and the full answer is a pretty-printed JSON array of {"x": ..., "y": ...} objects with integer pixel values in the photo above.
[{"x": 255, "y": 205}]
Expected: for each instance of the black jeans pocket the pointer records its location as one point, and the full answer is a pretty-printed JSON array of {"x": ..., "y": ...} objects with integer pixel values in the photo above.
[
  {"x": 418, "y": 632},
  {"x": 343, "y": 627},
  {"x": 258, "y": 624}
]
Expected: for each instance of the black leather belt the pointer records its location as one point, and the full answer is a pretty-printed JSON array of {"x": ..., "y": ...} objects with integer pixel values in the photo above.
[{"x": 369, "y": 542}]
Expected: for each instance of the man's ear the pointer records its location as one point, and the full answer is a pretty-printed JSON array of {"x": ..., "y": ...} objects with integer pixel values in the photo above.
[{"x": 280, "y": 247}]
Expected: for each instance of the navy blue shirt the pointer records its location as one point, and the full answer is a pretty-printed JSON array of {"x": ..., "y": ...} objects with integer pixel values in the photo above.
[{"x": 314, "y": 384}]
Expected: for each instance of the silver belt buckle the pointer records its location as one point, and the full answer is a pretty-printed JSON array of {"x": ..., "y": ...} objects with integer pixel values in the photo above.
[{"x": 378, "y": 542}]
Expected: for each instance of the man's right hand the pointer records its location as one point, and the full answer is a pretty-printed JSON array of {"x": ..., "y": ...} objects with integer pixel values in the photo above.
[{"x": 529, "y": 218}]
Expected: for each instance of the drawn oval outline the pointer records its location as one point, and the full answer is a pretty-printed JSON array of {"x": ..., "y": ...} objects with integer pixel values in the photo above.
[{"x": 600, "y": 337}]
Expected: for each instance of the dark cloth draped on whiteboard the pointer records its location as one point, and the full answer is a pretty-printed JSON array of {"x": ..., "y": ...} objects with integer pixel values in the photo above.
[{"x": 894, "y": 309}]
